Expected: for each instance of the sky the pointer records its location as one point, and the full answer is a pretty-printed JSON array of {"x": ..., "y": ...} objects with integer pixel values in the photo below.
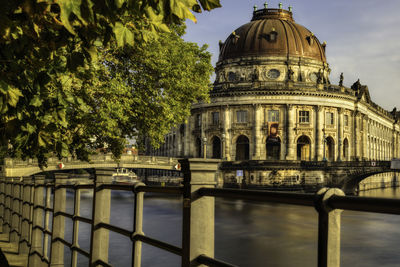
[{"x": 363, "y": 38}]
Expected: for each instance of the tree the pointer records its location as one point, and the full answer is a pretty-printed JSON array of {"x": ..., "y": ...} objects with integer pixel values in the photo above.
[{"x": 51, "y": 55}]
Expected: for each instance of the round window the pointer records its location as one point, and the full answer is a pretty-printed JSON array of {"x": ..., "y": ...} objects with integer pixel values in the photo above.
[
  {"x": 232, "y": 76},
  {"x": 313, "y": 77},
  {"x": 273, "y": 74}
]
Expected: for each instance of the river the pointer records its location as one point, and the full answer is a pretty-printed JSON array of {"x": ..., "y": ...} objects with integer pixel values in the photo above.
[{"x": 251, "y": 234}]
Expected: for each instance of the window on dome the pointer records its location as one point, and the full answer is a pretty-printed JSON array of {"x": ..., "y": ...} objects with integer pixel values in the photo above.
[
  {"x": 231, "y": 76},
  {"x": 313, "y": 77},
  {"x": 304, "y": 116},
  {"x": 273, "y": 74}
]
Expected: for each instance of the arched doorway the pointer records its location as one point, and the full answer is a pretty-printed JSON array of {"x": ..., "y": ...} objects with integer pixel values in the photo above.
[
  {"x": 216, "y": 148},
  {"x": 242, "y": 148},
  {"x": 273, "y": 147},
  {"x": 330, "y": 149},
  {"x": 198, "y": 148},
  {"x": 345, "y": 149},
  {"x": 303, "y": 148}
]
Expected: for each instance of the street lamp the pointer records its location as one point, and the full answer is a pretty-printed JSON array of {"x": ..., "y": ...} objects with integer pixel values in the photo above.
[
  {"x": 223, "y": 145},
  {"x": 205, "y": 147}
]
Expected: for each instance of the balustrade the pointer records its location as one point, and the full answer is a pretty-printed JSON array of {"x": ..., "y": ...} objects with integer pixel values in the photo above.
[{"x": 27, "y": 206}]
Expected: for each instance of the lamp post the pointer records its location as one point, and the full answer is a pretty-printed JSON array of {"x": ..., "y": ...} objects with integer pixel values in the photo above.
[
  {"x": 223, "y": 146},
  {"x": 205, "y": 147}
]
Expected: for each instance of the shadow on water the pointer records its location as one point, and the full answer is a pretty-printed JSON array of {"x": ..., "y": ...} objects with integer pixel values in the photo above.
[{"x": 250, "y": 233}]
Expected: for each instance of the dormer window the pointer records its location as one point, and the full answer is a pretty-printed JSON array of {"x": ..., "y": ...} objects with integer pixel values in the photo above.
[{"x": 272, "y": 35}]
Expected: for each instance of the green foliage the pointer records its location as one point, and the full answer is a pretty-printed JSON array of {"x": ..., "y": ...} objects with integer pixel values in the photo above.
[{"x": 52, "y": 70}]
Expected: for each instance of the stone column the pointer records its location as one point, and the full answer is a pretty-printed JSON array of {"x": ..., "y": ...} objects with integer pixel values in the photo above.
[
  {"x": 25, "y": 227},
  {"x": 355, "y": 133},
  {"x": 187, "y": 141},
  {"x": 291, "y": 117},
  {"x": 37, "y": 220},
  {"x": 15, "y": 207},
  {"x": 198, "y": 211},
  {"x": 60, "y": 197},
  {"x": 319, "y": 146},
  {"x": 228, "y": 137},
  {"x": 340, "y": 134},
  {"x": 101, "y": 214},
  {"x": 257, "y": 132}
]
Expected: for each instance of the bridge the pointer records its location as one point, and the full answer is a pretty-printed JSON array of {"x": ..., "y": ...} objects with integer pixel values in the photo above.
[
  {"x": 21, "y": 168},
  {"x": 29, "y": 238},
  {"x": 341, "y": 174}
]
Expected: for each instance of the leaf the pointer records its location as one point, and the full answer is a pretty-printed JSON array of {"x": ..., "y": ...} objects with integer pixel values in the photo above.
[
  {"x": 122, "y": 34},
  {"x": 13, "y": 96},
  {"x": 181, "y": 8},
  {"x": 29, "y": 128},
  {"x": 36, "y": 101},
  {"x": 210, "y": 4},
  {"x": 119, "y": 3},
  {"x": 68, "y": 7}
]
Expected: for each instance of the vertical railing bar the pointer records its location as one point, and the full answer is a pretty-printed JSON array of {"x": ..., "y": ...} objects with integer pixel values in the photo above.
[
  {"x": 2, "y": 189},
  {"x": 75, "y": 235},
  {"x": 32, "y": 198},
  {"x": 93, "y": 213},
  {"x": 137, "y": 227},
  {"x": 8, "y": 208},
  {"x": 21, "y": 207},
  {"x": 46, "y": 224}
]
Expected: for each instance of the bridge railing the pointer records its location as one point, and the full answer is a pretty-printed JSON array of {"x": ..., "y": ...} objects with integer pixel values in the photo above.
[{"x": 33, "y": 213}]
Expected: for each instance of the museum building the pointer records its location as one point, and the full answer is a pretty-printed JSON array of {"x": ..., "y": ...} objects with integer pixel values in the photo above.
[{"x": 272, "y": 100}]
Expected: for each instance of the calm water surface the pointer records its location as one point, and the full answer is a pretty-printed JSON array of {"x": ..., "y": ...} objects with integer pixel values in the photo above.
[{"x": 251, "y": 234}]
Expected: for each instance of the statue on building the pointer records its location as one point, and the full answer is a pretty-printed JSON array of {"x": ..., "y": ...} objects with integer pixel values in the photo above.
[
  {"x": 356, "y": 86},
  {"x": 341, "y": 80}
]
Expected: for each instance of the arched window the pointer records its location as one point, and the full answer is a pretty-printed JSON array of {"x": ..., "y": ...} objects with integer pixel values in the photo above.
[
  {"x": 330, "y": 149},
  {"x": 273, "y": 147},
  {"x": 216, "y": 148},
  {"x": 345, "y": 149},
  {"x": 303, "y": 148},
  {"x": 198, "y": 148},
  {"x": 242, "y": 148}
]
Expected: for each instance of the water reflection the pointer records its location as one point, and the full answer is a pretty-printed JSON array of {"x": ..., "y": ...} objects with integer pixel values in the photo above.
[{"x": 256, "y": 234}]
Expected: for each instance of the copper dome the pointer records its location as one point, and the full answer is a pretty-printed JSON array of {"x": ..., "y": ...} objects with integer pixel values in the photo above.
[{"x": 272, "y": 32}]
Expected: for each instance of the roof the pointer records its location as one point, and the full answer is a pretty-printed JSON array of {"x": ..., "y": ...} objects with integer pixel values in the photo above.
[{"x": 272, "y": 32}]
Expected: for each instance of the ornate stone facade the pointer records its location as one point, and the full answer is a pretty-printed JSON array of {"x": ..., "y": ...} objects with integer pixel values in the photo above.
[{"x": 272, "y": 100}]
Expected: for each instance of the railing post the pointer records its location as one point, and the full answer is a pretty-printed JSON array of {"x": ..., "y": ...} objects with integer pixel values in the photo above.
[
  {"x": 60, "y": 198},
  {"x": 138, "y": 226},
  {"x": 2, "y": 201},
  {"x": 26, "y": 219},
  {"x": 7, "y": 206},
  {"x": 328, "y": 228},
  {"x": 198, "y": 212},
  {"x": 101, "y": 214},
  {"x": 15, "y": 207},
  {"x": 37, "y": 222},
  {"x": 77, "y": 180}
]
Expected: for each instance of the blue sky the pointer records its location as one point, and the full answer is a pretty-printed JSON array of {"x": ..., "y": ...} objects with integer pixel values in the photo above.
[{"x": 363, "y": 37}]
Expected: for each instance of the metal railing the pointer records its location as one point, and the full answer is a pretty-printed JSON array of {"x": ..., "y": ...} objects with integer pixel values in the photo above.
[{"x": 27, "y": 205}]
